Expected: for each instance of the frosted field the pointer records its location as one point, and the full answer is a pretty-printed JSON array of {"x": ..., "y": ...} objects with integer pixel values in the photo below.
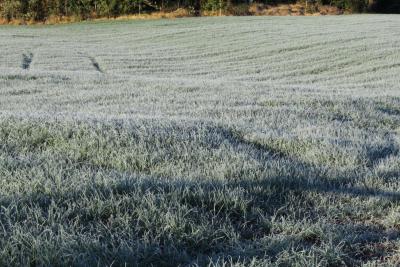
[{"x": 237, "y": 141}]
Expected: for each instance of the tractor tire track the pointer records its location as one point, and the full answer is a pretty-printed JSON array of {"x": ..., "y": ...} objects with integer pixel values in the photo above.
[
  {"x": 95, "y": 64},
  {"x": 26, "y": 61}
]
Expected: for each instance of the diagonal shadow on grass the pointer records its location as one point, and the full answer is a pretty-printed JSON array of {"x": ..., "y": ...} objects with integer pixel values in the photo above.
[{"x": 153, "y": 218}]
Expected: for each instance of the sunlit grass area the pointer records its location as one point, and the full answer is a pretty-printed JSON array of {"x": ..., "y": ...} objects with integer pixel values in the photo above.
[{"x": 236, "y": 141}]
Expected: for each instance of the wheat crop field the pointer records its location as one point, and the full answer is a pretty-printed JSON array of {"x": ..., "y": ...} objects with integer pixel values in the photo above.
[{"x": 224, "y": 141}]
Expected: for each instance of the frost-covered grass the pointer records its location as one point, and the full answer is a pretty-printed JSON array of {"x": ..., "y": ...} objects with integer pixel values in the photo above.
[{"x": 237, "y": 141}]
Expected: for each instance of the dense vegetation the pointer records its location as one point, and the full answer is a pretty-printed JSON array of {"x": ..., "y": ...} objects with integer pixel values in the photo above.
[
  {"x": 216, "y": 141},
  {"x": 40, "y": 10}
]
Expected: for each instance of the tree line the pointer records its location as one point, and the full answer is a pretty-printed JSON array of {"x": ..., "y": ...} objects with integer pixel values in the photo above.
[{"x": 40, "y": 10}]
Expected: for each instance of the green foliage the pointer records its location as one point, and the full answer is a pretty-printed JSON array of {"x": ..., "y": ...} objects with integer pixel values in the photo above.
[
  {"x": 9, "y": 9},
  {"x": 213, "y": 5},
  {"x": 351, "y": 5},
  {"x": 40, "y": 10}
]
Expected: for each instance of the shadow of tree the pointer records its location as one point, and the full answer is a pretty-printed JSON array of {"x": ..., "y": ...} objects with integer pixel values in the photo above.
[{"x": 127, "y": 216}]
